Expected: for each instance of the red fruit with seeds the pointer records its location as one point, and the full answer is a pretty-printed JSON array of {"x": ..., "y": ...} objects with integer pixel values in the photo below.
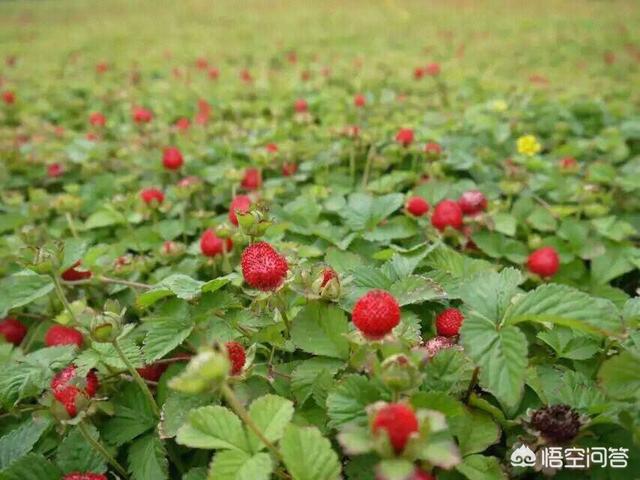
[
  {"x": 61, "y": 335},
  {"x": 237, "y": 357},
  {"x": 289, "y": 168},
  {"x": 183, "y": 124},
  {"x": 263, "y": 267},
  {"x": 398, "y": 421},
  {"x": 404, "y": 137},
  {"x": 544, "y": 262},
  {"x": 97, "y": 119},
  {"x": 328, "y": 274},
  {"x": 13, "y": 330},
  {"x": 240, "y": 204},
  {"x": 271, "y": 148},
  {"x": 153, "y": 372},
  {"x": 448, "y": 322},
  {"x": 375, "y": 314},
  {"x": 72, "y": 274},
  {"x": 141, "y": 115},
  {"x": 84, "y": 476},
  {"x": 433, "y": 69},
  {"x": 55, "y": 170},
  {"x": 66, "y": 388},
  {"x": 212, "y": 245},
  {"x": 433, "y": 150},
  {"x": 418, "y": 73},
  {"x": 447, "y": 214},
  {"x": 172, "y": 158},
  {"x": 152, "y": 196},
  {"x": 252, "y": 179},
  {"x": 416, "y": 206},
  {"x": 472, "y": 202},
  {"x": 359, "y": 100},
  {"x": 301, "y": 106},
  {"x": 9, "y": 97},
  {"x": 420, "y": 474}
]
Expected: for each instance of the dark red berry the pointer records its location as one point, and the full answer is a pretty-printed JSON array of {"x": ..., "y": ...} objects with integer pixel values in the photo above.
[
  {"x": 375, "y": 314},
  {"x": 152, "y": 196},
  {"x": 237, "y": 357},
  {"x": 212, "y": 245},
  {"x": 399, "y": 421},
  {"x": 447, "y": 214},
  {"x": 252, "y": 179},
  {"x": 416, "y": 206},
  {"x": 404, "y": 137},
  {"x": 263, "y": 267},
  {"x": 448, "y": 322},
  {"x": 472, "y": 202},
  {"x": 72, "y": 274},
  {"x": 544, "y": 262},
  {"x": 66, "y": 387},
  {"x": 240, "y": 204},
  {"x": 13, "y": 330},
  {"x": 61, "y": 335},
  {"x": 172, "y": 158},
  {"x": 556, "y": 423}
]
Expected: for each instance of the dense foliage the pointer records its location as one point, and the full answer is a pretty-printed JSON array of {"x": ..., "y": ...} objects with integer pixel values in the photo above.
[{"x": 311, "y": 266}]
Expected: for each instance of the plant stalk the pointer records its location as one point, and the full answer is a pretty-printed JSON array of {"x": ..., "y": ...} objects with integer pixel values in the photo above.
[
  {"x": 98, "y": 447},
  {"x": 138, "y": 379}
]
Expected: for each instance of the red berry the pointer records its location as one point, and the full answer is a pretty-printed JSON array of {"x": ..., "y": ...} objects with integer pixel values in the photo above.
[
  {"x": 61, "y": 335},
  {"x": 212, "y": 245},
  {"x": 433, "y": 69},
  {"x": 448, "y": 322},
  {"x": 263, "y": 267},
  {"x": 202, "y": 63},
  {"x": 289, "y": 168},
  {"x": 214, "y": 73},
  {"x": 152, "y": 196},
  {"x": 84, "y": 476},
  {"x": 245, "y": 76},
  {"x": 66, "y": 387},
  {"x": 102, "y": 67},
  {"x": 142, "y": 115},
  {"x": 240, "y": 204},
  {"x": 399, "y": 421},
  {"x": 359, "y": 100},
  {"x": 416, "y": 206},
  {"x": 153, "y": 372},
  {"x": 71, "y": 274},
  {"x": 301, "y": 106},
  {"x": 237, "y": 357},
  {"x": 12, "y": 330},
  {"x": 55, "y": 170},
  {"x": 544, "y": 262},
  {"x": 568, "y": 163},
  {"x": 9, "y": 97},
  {"x": 172, "y": 158},
  {"x": 375, "y": 314},
  {"x": 418, "y": 73},
  {"x": 433, "y": 149},
  {"x": 271, "y": 148},
  {"x": 420, "y": 474},
  {"x": 328, "y": 274},
  {"x": 183, "y": 124},
  {"x": 252, "y": 179},
  {"x": 447, "y": 214},
  {"x": 97, "y": 119},
  {"x": 404, "y": 137},
  {"x": 472, "y": 202}
]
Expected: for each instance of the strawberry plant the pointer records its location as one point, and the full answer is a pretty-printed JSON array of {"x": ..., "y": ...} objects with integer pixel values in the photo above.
[{"x": 332, "y": 255}]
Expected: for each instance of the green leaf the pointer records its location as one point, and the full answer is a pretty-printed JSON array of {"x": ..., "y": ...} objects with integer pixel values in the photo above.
[
  {"x": 479, "y": 467},
  {"x": 76, "y": 455},
  {"x": 104, "y": 218},
  {"x": 31, "y": 467},
  {"x": 22, "y": 288},
  {"x": 505, "y": 223},
  {"x": 74, "y": 250},
  {"x": 308, "y": 455},
  {"x": 488, "y": 294},
  {"x": 476, "y": 431},
  {"x": 167, "y": 329},
  {"x": 620, "y": 376},
  {"x": 320, "y": 328},
  {"x": 238, "y": 465},
  {"x": 19, "y": 441},
  {"x": 348, "y": 401},
  {"x": 213, "y": 427},
  {"x": 132, "y": 417},
  {"x": 448, "y": 371},
  {"x": 447, "y": 260},
  {"x": 365, "y": 211},
  {"x": 416, "y": 289},
  {"x": 182, "y": 286},
  {"x": 564, "y": 305},
  {"x": 555, "y": 384},
  {"x": 147, "y": 459},
  {"x": 497, "y": 245},
  {"x": 500, "y": 354},
  {"x": 271, "y": 414},
  {"x": 395, "y": 469},
  {"x": 542, "y": 220},
  {"x": 308, "y": 373},
  {"x": 175, "y": 410}
]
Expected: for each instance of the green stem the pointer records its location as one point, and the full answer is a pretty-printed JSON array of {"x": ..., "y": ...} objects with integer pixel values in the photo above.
[
  {"x": 282, "y": 308},
  {"x": 72, "y": 227},
  {"x": 63, "y": 297},
  {"x": 139, "y": 380},
  {"x": 367, "y": 168},
  {"x": 98, "y": 447},
  {"x": 239, "y": 409}
]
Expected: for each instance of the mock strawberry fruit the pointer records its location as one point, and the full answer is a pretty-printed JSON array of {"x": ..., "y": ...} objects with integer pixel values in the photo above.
[
  {"x": 375, "y": 314},
  {"x": 172, "y": 158},
  {"x": 433, "y": 150},
  {"x": 67, "y": 388},
  {"x": 568, "y": 163},
  {"x": 404, "y": 137},
  {"x": 252, "y": 179},
  {"x": 448, "y": 322},
  {"x": 301, "y": 106},
  {"x": 152, "y": 196},
  {"x": 263, "y": 267},
  {"x": 544, "y": 262},
  {"x": 239, "y": 204},
  {"x": 328, "y": 274},
  {"x": 153, "y": 371},
  {"x": 447, "y": 214},
  {"x": 556, "y": 423},
  {"x": 289, "y": 168},
  {"x": 84, "y": 476},
  {"x": 13, "y": 330},
  {"x": 141, "y": 115},
  {"x": 435, "y": 345},
  {"x": 420, "y": 474},
  {"x": 359, "y": 100},
  {"x": 416, "y": 206},
  {"x": 271, "y": 148},
  {"x": 55, "y": 170},
  {"x": 472, "y": 202},
  {"x": 237, "y": 357},
  {"x": 182, "y": 124},
  {"x": 72, "y": 274},
  {"x": 418, "y": 73},
  {"x": 398, "y": 421},
  {"x": 9, "y": 97},
  {"x": 61, "y": 335},
  {"x": 433, "y": 69},
  {"x": 212, "y": 245},
  {"x": 97, "y": 119}
]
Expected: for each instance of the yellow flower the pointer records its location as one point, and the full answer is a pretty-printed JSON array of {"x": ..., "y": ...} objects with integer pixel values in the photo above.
[
  {"x": 499, "y": 106},
  {"x": 528, "y": 145}
]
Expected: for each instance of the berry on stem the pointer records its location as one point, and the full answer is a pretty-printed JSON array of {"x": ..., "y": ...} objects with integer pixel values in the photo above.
[
  {"x": 212, "y": 245},
  {"x": 472, "y": 202},
  {"x": 447, "y": 214},
  {"x": 13, "y": 330},
  {"x": 66, "y": 388},
  {"x": 416, "y": 206},
  {"x": 61, "y": 335},
  {"x": 448, "y": 322},
  {"x": 263, "y": 267},
  {"x": 544, "y": 262},
  {"x": 399, "y": 421},
  {"x": 237, "y": 357},
  {"x": 375, "y": 314},
  {"x": 240, "y": 204}
]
